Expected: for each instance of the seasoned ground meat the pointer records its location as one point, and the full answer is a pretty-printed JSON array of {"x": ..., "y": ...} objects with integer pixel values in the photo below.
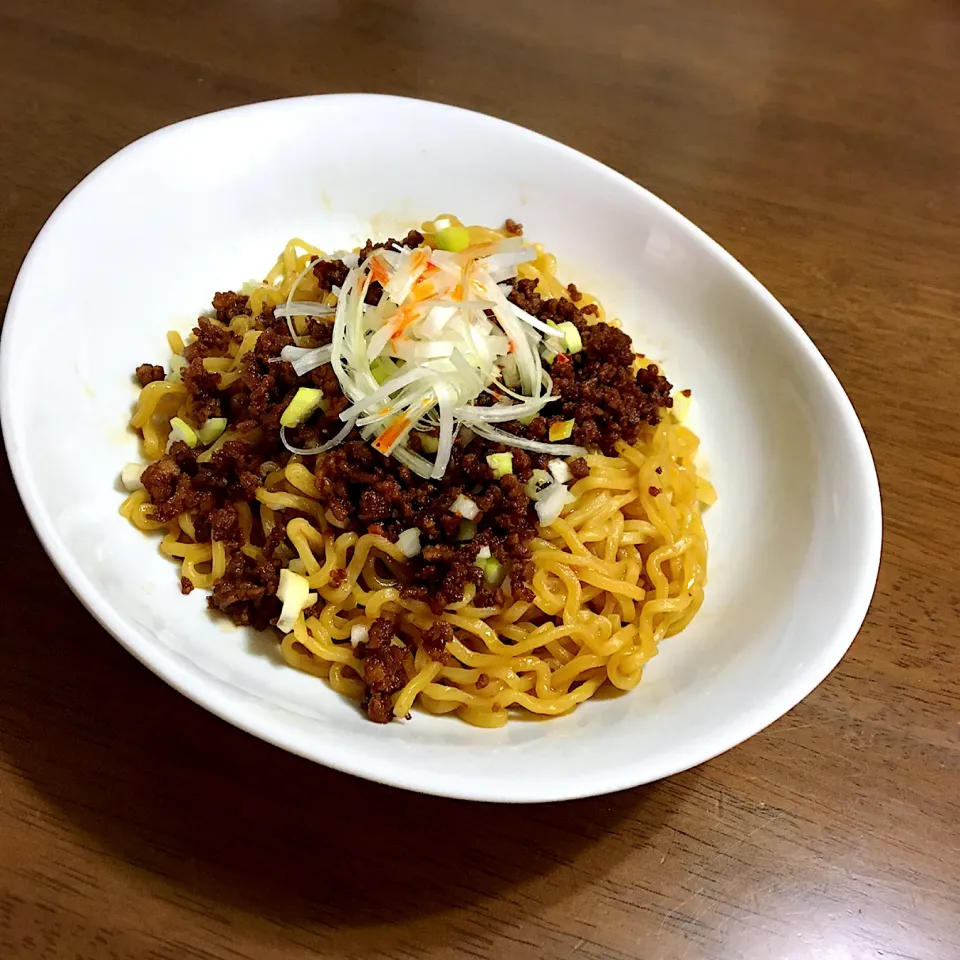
[
  {"x": 148, "y": 372},
  {"x": 199, "y": 381},
  {"x": 363, "y": 488},
  {"x": 597, "y": 387},
  {"x": 330, "y": 273},
  {"x": 225, "y": 524},
  {"x": 513, "y": 228},
  {"x": 413, "y": 239},
  {"x": 160, "y": 479},
  {"x": 436, "y": 638},
  {"x": 384, "y": 669},
  {"x": 211, "y": 337},
  {"x": 229, "y": 305},
  {"x": 247, "y": 591}
]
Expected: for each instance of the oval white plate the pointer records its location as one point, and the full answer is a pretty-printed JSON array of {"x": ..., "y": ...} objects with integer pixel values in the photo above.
[{"x": 142, "y": 244}]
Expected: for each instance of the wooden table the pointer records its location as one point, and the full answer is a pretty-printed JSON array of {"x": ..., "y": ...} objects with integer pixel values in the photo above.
[{"x": 819, "y": 142}]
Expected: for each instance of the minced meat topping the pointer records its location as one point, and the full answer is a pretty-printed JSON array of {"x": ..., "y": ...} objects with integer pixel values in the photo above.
[{"x": 366, "y": 491}]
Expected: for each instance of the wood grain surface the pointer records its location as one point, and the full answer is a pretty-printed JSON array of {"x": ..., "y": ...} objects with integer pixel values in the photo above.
[{"x": 819, "y": 141}]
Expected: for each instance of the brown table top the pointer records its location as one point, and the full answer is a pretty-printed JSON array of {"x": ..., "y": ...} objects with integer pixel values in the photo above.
[{"x": 820, "y": 143}]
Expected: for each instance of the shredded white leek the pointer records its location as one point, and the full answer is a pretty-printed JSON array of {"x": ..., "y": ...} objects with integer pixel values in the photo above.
[
  {"x": 442, "y": 335},
  {"x": 305, "y": 359}
]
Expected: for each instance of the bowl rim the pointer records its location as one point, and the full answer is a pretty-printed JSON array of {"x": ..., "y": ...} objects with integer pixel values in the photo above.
[{"x": 191, "y": 683}]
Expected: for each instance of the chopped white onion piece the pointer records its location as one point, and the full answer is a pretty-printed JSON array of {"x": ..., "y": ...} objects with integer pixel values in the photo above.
[
  {"x": 465, "y": 507},
  {"x": 483, "y": 553},
  {"x": 559, "y": 470},
  {"x": 358, "y": 634},
  {"x": 409, "y": 542},
  {"x": 294, "y": 593},
  {"x": 130, "y": 476},
  {"x": 551, "y": 503}
]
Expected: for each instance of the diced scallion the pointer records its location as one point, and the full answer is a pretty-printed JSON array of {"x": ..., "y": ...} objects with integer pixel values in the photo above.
[
  {"x": 453, "y": 238},
  {"x": 181, "y": 430},
  {"x": 538, "y": 481},
  {"x": 571, "y": 336},
  {"x": 212, "y": 430},
  {"x": 382, "y": 369},
  {"x": 467, "y": 530},
  {"x": 429, "y": 443},
  {"x": 305, "y": 402},
  {"x": 494, "y": 572},
  {"x": 500, "y": 463}
]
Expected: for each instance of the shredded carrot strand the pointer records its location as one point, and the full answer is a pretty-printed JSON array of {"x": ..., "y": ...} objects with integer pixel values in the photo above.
[{"x": 386, "y": 439}]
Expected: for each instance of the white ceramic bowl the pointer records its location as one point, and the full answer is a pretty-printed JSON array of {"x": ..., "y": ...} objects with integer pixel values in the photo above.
[{"x": 141, "y": 245}]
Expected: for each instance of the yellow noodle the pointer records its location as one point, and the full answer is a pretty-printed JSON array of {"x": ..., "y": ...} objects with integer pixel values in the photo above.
[{"x": 624, "y": 567}]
